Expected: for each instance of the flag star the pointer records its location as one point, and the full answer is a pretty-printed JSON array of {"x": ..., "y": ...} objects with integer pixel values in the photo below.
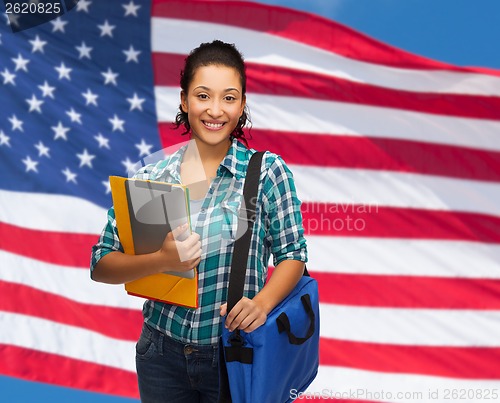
[
  {"x": 107, "y": 185},
  {"x": 35, "y": 104},
  {"x": 144, "y": 149},
  {"x": 90, "y": 97},
  {"x": 109, "y": 77},
  {"x": 37, "y": 44},
  {"x": 131, "y": 8},
  {"x": 60, "y": 131},
  {"x": 83, "y": 5},
  {"x": 8, "y": 77},
  {"x": 20, "y": 62},
  {"x": 74, "y": 116},
  {"x": 136, "y": 102},
  {"x": 47, "y": 90},
  {"x": 106, "y": 29},
  {"x": 70, "y": 176},
  {"x": 30, "y": 164},
  {"x": 13, "y": 19},
  {"x": 103, "y": 141},
  {"x": 63, "y": 71},
  {"x": 132, "y": 54},
  {"x": 130, "y": 166},
  {"x": 16, "y": 124},
  {"x": 117, "y": 123},
  {"x": 42, "y": 150},
  {"x": 85, "y": 158},
  {"x": 4, "y": 139},
  {"x": 84, "y": 51},
  {"x": 58, "y": 25}
]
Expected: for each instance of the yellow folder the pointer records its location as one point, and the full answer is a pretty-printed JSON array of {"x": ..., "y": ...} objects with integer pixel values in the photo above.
[{"x": 164, "y": 287}]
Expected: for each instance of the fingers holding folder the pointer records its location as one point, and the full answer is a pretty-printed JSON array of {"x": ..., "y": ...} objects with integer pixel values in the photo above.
[{"x": 181, "y": 250}]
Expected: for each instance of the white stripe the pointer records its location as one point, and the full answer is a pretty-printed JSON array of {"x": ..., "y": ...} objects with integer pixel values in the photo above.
[
  {"x": 370, "y": 188},
  {"x": 354, "y": 384},
  {"x": 51, "y": 212},
  {"x": 278, "y": 51},
  {"x": 423, "y": 327},
  {"x": 316, "y": 185},
  {"x": 67, "y": 282},
  {"x": 326, "y": 254},
  {"x": 69, "y": 341},
  {"x": 372, "y": 256},
  {"x": 302, "y": 115},
  {"x": 403, "y": 257}
]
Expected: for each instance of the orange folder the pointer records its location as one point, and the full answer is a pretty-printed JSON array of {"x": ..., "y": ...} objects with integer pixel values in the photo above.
[{"x": 169, "y": 288}]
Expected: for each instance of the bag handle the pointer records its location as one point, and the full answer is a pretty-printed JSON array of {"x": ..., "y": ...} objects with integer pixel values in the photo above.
[{"x": 284, "y": 323}]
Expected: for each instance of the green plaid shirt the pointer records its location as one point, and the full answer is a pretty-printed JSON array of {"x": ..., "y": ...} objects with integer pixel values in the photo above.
[{"x": 277, "y": 231}]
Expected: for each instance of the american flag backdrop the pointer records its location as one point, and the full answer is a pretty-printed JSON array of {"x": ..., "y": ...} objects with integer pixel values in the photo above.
[{"x": 396, "y": 159}]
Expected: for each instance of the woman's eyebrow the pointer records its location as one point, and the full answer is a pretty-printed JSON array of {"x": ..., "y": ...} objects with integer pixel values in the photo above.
[{"x": 208, "y": 89}]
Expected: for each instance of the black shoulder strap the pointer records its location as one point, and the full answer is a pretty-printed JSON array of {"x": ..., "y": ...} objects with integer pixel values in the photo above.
[{"x": 242, "y": 245}]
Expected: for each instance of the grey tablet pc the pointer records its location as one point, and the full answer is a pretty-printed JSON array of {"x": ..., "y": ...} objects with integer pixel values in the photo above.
[{"x": 155, "y": 208}]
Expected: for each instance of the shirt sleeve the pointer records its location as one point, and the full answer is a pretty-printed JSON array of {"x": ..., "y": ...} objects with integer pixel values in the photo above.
[
  {"x": 286, "y": 233},
  {"x": 109, "y": 241}
]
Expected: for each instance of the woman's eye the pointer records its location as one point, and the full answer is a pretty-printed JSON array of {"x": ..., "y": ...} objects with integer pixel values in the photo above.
[
  {"x": 230, "y": 98},
  {"x": 203, "y": 96}
]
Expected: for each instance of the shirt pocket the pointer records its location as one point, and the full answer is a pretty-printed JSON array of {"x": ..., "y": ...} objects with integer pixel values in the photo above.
[{"x": 229, "y": 222}]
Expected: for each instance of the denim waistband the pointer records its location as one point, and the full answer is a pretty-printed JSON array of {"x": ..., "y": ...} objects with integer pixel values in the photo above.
[{"x": 166, "y": 343}]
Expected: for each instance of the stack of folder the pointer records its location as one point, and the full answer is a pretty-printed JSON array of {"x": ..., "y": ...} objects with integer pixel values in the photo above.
[{"x": 146, "y": 211}]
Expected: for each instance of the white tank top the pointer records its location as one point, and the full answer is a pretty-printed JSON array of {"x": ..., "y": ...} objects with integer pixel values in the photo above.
[{"x": 194, "y": 209}]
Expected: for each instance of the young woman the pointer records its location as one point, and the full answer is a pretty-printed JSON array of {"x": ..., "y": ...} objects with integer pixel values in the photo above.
[{"x": 176, "y": 355}]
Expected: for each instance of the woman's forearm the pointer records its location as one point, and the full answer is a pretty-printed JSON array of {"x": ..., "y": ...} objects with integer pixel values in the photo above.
[
  {"x": 174, "y": 255},
  {"x": 285, "y": 277},
  {"x": 120, "y": 268}
]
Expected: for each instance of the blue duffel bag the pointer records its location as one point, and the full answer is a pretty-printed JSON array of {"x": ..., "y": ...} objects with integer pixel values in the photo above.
[{"x": 279, "y": 359}]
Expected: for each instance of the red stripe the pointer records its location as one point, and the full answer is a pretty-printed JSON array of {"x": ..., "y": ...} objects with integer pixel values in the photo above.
[
  {"x": 408, "y": 291},
  {"x": 390, "y": 222},
  {"x": 301, "y": 27},
  {"x": 120, "y": 323},
  {"x": 46, "y": 245},
  {"x": 379, "y": 154},
  {"x": 319, "y": 219},
  {"x": 452, "y": 362},
  {"x": 369, "y": 153},
  {"x": 37, "y": 366},
  {"x": 281, "y": 81}
]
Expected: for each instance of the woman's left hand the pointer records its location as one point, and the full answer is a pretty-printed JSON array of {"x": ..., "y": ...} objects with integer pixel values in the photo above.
[{"x": 246, "y": 315}]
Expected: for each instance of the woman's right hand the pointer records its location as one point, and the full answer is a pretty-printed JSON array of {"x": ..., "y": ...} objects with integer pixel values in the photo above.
[{"x": 180, "y": 253}]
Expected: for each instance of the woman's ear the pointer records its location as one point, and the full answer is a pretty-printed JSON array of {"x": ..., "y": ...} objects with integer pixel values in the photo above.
[
  {"x": 184, "y": 102},
  {"x": 243, "y": 103}
]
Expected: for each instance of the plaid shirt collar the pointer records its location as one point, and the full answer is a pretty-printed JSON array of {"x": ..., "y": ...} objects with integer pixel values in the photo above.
[{"x": 235, "y": 162}]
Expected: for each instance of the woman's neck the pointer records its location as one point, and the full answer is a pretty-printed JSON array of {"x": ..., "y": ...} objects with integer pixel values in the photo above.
[
  {"x": 211, "y": 154},
  {"x": 199, "y": 165}
]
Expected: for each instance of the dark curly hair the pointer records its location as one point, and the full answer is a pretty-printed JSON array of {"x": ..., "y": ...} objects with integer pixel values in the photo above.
[{"x": 208, "y": 54}]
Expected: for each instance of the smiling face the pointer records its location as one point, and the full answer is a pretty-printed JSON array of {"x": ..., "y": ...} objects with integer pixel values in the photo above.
[{"x": 214, "y": 102}]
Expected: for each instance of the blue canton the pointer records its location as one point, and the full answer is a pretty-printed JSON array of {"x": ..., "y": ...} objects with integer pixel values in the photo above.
[{"x": 77, "y": 100}]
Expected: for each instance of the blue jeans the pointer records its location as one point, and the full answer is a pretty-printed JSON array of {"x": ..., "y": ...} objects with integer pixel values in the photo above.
[{"x": 173, "y": 372}]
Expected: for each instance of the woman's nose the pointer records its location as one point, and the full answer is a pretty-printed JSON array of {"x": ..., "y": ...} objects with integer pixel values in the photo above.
[{"x": 215, "y": 110}]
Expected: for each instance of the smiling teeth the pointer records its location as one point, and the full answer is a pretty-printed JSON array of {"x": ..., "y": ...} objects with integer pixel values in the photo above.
[{"x": 214, "y": 125}]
